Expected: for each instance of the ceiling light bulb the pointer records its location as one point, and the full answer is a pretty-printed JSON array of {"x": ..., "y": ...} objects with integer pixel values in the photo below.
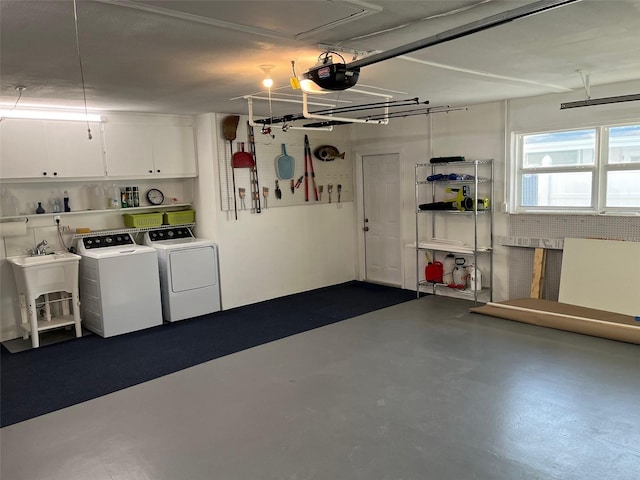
[{"x": 267, "y": 81}]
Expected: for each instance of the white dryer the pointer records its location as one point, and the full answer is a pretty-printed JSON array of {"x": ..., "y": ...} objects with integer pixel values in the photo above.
[
  {"x": 189, "y": 273},
  {"x": 119, "y": 287}
]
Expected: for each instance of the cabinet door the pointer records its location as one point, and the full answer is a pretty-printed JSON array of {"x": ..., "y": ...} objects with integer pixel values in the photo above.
[
  {"x": 23, "y": 149},
  {"x": 71, "y": 153},
  {"x": 129, "y": 150},
  {"x": 174, "y": 151}
]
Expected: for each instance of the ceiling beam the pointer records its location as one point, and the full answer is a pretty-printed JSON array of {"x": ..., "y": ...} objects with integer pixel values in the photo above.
[{"x": 462, "y": 31}]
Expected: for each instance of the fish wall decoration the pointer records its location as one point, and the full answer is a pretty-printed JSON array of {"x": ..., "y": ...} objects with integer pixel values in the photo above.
[{"x": 327, "y": 153}]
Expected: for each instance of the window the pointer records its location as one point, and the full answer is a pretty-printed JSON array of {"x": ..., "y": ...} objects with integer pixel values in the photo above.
[{"x": 590, "y": 170}]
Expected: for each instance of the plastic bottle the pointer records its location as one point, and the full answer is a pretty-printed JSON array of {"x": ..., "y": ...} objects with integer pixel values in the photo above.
[
  {"x": 458, "y": 275},
  {"x": 40, "y": 209},
  {"x": 9, "y": 204},
  {"x": 475, "y": 278},
  {"x": 129, "y": 196},
  {"x": 67, "y": 207},
  {"x": 136, "y": 197},
  {"x": 56, "y": 206},
  {"x": 113, "y": 197},
  {"x": 448, "y": 265}
]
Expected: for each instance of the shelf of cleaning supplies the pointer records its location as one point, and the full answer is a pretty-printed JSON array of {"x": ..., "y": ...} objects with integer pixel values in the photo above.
[{"x": 145, "y": 208}]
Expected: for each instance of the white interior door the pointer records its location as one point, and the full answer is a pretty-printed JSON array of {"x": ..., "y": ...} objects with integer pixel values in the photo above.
[{"x": 381, "y": 186}]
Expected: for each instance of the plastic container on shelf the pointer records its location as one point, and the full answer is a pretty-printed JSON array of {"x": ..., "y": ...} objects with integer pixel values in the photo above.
[
  {"x": 65, "y": 199},
  {"x": 180, "y": 217},
  {"x": 475, "y": 278},
  {"x": 96, "y": 197},
  {"x": 448, "y": 265},
  {"x": 9, "y": 204},
  {"x": 114, "y": 197},
  {"x": 141, "y": 220}
]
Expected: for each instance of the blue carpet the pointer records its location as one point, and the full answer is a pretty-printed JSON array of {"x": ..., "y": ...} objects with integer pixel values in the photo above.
[{"x": 43, "y": 380}]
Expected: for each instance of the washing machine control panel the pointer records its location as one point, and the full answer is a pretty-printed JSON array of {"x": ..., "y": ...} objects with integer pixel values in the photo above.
[
  {"x": 103, "y": 241},
  {"x": 169, "y": 234}
]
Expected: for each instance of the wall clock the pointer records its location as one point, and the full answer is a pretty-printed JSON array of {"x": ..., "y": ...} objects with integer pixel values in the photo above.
[{"x": 155, "y": 196}]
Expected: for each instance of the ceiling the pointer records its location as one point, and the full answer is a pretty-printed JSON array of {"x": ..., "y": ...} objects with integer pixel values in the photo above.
[{"x": 190, "y": 57}]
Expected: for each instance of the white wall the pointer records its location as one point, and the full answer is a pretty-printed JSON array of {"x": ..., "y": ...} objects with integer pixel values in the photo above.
[{"x": 282, "y": 250}]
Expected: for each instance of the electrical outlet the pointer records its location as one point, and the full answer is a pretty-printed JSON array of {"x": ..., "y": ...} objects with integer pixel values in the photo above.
[{"x": 56, "y": 219}]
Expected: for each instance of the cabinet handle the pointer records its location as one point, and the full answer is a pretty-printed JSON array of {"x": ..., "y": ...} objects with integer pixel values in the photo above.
[
  {"x": 366, "y": 229},
  {"x": 55, "y": 173},
  {"x": 44, "y": 173},
  {"x": 150, "y": 171},
  {"x": 158, "y": 170}
]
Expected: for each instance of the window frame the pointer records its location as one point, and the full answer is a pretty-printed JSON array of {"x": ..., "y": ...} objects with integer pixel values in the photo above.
[{"x": 599, "y": 173}]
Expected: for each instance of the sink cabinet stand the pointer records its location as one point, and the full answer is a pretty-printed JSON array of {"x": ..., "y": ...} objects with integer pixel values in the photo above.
[{"x": 47, "y": 283}]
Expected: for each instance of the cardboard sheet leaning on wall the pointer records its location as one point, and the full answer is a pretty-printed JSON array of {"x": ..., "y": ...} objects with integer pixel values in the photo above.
[{"x": 337, "y": 171}]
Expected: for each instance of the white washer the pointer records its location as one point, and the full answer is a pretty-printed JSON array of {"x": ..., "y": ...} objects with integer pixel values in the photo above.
[
  {"x": 119, "y": 287},
  {"x": 189, "y": 273}
]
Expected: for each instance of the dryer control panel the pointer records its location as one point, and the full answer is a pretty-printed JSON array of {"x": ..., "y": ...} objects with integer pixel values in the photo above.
[{"x": 169, "y": 234}]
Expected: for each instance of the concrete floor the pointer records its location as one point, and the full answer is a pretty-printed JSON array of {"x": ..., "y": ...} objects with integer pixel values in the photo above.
[{"x": 422, "y": 390}]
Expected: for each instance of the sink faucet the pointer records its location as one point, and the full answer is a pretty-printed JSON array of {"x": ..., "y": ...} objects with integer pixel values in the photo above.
[{"x": 41, "y": 248}]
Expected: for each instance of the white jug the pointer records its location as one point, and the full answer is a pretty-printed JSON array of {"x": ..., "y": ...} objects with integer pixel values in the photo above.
[
  {"x": 448, "y": 265},
  {"x": 475, "y": 278},
  {"x": 114, "y": 199}
]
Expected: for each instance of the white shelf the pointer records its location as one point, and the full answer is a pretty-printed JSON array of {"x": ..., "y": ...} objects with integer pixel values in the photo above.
[
  {"x": 115, "y": 231},
  {"x": 110, "y": 210},
  {"x": 450, "y": 247},
  {"x": 453, "y": 182},
  {"x": 466, "y": 163},
  {"x": 56, "y": 322},
  {"x": 455, "y": 212}
]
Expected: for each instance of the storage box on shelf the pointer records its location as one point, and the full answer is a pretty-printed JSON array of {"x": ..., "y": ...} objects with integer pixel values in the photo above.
[
  {"x": 179, "y": 217},
  {"x": 448, "y": 192},
  {"x": 138, "y": 220}
]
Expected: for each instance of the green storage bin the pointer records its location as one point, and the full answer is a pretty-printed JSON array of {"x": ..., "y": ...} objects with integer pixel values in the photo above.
[
  {"x": 180, "y": 217},
  {"x": 142, "y": 220}
]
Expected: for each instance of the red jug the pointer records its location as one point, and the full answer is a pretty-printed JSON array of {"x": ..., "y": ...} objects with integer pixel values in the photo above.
[{"x": 433, "y": 272}]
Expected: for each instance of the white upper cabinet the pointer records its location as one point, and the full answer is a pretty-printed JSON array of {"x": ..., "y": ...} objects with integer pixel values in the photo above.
[
  {"x": 71, "y": 151},
  {"x": 139, "y": 151},
  {"x": 49, "y": 149},
  {"x": 174, "y": 151},
  {"x": 129, "y": 150}
]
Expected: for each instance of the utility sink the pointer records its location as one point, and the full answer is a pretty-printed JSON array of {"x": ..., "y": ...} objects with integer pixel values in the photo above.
[
  {"x": 38, "y": 276},
  {"x": 26, "y": 261}
]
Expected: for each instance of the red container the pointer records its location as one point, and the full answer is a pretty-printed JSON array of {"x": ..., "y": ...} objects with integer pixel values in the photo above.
[{"x": 433, "y": 272}]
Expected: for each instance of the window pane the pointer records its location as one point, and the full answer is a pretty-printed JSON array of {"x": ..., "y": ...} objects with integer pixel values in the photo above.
[
  {"x": 571, "y": 189},
  {"x": 572, "y": 148},
  {"x": 622, "y": 189},
  {"x": 624, "y": 144}
]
